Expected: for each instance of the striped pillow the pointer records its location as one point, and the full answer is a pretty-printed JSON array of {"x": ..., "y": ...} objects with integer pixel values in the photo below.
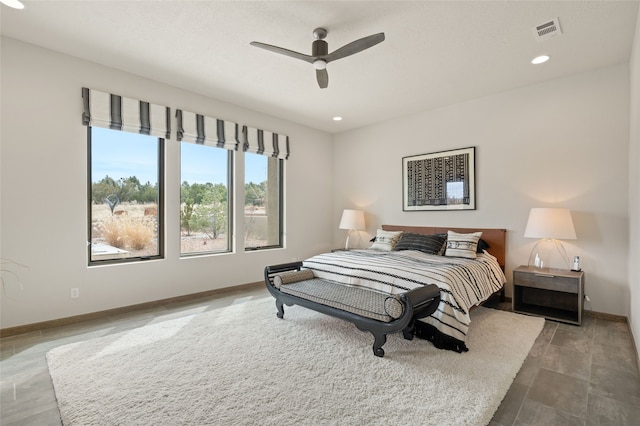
[
  {"x": 386, "y": 240},
  {"x": 429, "y": 244},
  {"x": 462, "y": 245}
]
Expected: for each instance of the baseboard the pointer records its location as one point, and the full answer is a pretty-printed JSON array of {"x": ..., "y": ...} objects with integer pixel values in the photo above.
[
  {"x": 608, "y": 317},
  {"x": 633, "y": 342},
  {"x": 29, "y": 328}
]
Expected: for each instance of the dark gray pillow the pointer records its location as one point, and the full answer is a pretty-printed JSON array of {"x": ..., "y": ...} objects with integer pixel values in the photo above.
[
  {"x": 482, "y": 245},
  {"x": 429, "y": 244}
]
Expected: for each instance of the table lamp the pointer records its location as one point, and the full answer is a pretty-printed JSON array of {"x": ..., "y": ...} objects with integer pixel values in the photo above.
[
  {"x": 550, "y": 225},
  {"x": 352, "y": 220}
]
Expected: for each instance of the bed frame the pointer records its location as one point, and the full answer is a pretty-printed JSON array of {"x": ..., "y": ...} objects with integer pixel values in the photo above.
[{"x": 416, "y": 304}]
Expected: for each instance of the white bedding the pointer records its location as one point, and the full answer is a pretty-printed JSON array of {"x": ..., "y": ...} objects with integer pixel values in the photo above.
[{"x": 463, "y": 282}]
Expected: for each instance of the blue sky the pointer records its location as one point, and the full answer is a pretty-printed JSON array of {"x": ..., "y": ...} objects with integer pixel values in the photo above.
[{"x": 122, "y": 154}]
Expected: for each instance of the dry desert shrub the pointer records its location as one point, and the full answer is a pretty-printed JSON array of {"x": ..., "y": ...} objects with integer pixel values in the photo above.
[
  {"x": 138, "y": 235},
  {"x": 123, "y": 233},
  {"x": 113, "y": 234}
]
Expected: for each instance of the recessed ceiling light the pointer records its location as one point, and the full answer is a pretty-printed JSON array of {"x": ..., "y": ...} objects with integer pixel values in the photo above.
[
  {"x": 540, "y": 59},
  {"x": 16, "y": 4},
  {"x": 337, "y": 118}
]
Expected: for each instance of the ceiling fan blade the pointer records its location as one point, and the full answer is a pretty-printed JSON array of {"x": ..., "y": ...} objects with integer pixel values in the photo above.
[
  {"x": 323, "y": 78},
  {"x": 283, "y": 51},
  {"x": 355, "y": 47}
]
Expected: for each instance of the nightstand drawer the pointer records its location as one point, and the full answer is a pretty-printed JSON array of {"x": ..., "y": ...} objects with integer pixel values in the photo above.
[{"x": 546, "y": 281}]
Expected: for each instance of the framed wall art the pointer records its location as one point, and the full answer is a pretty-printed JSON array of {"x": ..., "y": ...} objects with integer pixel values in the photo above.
[{"x": 439, "y": 181}]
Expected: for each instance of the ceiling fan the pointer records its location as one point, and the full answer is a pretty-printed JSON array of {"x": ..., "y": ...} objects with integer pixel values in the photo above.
[{"x": 320, "y": 55}]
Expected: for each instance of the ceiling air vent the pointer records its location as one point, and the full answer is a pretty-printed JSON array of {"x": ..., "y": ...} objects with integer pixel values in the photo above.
[{"x": 547, "y": 30}]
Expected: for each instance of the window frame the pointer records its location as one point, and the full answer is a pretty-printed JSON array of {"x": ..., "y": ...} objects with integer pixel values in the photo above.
[
  {"x": 161, "y": 216},
  {"x": 280, "y": 184},
  {"x": 230, "y": 206}
]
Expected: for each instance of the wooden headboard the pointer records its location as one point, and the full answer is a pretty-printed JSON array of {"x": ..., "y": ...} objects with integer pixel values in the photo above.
[{"x": 496, "y": 238}]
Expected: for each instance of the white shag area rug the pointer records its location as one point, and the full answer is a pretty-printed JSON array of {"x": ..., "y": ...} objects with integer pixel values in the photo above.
[{"x": 241, "y": 365}]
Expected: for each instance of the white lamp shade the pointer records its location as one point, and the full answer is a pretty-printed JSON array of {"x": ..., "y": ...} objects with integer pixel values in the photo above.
[
  {"x": 551, "y": 223},
  {"x": 352, "y": 219}
]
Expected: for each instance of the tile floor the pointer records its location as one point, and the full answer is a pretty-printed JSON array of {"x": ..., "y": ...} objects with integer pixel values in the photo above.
[
  {"x": 573, "y": 375},
  {"x": 576, "y": 375}
]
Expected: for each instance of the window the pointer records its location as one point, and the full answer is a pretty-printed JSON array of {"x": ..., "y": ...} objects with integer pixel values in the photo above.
[
  {"x": 125, "y": 195},
  {"x": 125, "y": 180},
  {"x": 263, "y": 202},
  {"x": 205, "y": 202}
]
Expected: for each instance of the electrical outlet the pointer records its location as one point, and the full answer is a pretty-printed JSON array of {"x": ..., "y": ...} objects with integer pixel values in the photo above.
[{"x": 75, "y": 293}]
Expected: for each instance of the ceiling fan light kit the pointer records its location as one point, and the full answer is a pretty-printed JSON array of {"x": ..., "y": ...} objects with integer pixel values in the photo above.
[
  {"x": 320, "y": 64},
  {"x": 320, "y": 55}
]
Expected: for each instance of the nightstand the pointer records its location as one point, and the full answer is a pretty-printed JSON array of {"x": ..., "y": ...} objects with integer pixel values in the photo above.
[{"x": 556, "y": 294}]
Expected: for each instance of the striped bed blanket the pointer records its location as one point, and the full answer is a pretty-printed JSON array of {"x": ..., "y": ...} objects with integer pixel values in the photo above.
[{"x": 463, "y": 283}]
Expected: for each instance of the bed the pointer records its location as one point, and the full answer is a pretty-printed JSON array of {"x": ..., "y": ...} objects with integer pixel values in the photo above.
[{"x": 462, "y": 282}]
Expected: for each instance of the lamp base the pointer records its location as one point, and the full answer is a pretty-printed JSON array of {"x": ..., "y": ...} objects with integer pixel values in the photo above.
[
  {"x": 346, "y": 244},
  {"x": 549, "y": 253},
  {"x": 353, "y": 242}
]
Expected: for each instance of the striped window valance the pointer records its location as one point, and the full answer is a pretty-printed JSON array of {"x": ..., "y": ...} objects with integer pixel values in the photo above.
[
  {"x": 264, "y": 142},
  {"x": 129, "y": 115},
  {"x": 203, "y": 130}
]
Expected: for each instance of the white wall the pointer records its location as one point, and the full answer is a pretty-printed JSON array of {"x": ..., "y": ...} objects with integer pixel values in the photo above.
[
  {"x": 634, "y": 189},
  {"x": 44, "y": 201},
  {"x": 562, "y": 143}
]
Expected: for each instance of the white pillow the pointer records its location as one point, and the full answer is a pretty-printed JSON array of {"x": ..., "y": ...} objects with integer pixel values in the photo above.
[
  {"x": 462, "y": 245},
  {"x": 386, "y": 240}
]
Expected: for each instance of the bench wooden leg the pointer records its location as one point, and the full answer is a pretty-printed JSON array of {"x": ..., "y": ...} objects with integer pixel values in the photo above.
[
  {"x": 280, "y": 307},
  {"x": 407, "y": 333},
  {"x": 379, "y": 340}
]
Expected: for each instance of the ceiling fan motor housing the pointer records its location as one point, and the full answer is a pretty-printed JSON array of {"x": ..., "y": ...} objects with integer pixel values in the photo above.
[{"x": 319, "y": 48}]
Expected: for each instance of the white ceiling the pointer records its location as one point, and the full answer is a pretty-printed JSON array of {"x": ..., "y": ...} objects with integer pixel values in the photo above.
[{"x": 435, "y": 53}]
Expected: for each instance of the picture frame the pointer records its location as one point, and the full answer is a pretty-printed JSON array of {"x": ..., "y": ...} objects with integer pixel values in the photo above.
[{"x": 439, "y": 181}]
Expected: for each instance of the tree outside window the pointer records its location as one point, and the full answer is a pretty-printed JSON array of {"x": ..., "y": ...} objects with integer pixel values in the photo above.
[
  {"x": 125, "y": 196},
  {"x": 205, "y": 199}
]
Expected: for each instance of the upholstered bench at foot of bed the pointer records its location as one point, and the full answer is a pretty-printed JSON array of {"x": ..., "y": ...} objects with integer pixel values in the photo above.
[{"x": 370, "y": 310}]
